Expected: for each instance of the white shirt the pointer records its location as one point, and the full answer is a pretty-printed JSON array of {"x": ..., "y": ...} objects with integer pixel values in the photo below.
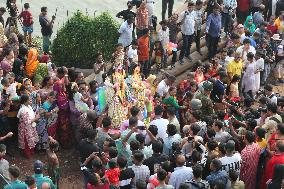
[
  {"x": 180, "y": 175},
  {"x": 233, "y": 162},
  {"x": 12, "y": 90},
  {"x": 164, "y": 37},
  {"x": 125, "y": 31},
  {"x": 162, "y": 88},
  {"x": 132, "y": 53},
  {"x": 187, "y": 27},
  {"x": 240, "y": 50},
  {"x": 161, "y": 124}
]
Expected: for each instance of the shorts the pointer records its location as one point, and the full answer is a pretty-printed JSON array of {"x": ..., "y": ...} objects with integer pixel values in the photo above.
[{"x": 28, "y": 29}]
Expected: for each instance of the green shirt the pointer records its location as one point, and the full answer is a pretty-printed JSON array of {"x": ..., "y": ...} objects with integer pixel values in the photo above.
[
  {"x": 17, "y": 184},
  {"x": 40, "y": 179}
]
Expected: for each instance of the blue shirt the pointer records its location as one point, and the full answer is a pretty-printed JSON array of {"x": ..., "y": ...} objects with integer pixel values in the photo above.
[
  {"x": 217, "y": 175},
  {"x": 16, "y": 184},
  {"x": 213, "y": 25}
]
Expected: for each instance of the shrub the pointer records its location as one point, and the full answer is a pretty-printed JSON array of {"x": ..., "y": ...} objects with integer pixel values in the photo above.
[{"x": 82, "y": 37}]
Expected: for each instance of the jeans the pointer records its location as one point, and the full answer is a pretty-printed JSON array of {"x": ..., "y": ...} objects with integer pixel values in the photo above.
[
  {"x": 167, "y": 4},
  {"x": 212, "y": 44},
  {"x": 226, "y": 21},
  {"x": 197, "y": 40},
  {"x": 186, "y": 45},
  {"x": 46, "y": 43},
  {"x": 267, "y": 69}
]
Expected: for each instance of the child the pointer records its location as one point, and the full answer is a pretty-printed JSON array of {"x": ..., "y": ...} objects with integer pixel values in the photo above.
[
  {"x": 112, "y": 174},
  {"x": 53, "y": 162},
  {"x": 80, "y": 102},
  {"x": 200, "y": 17},
  {"x": 158, "y": 55},
  {"x": 164, "y": 38},
  {"x": 27, "y": 24}
]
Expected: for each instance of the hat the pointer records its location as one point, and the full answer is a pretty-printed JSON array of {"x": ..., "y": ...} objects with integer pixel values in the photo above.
[
  {"x": 276, "y": 37},
  {"x": 38, "y": 165},
  {"x": 207, "y": 85},
  {"x": 195, "y": 104}
]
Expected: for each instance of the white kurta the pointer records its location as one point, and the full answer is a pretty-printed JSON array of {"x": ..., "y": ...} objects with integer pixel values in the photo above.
[
  {"x": 259, "y": 64},
  {"x": 249, "y": 77}
]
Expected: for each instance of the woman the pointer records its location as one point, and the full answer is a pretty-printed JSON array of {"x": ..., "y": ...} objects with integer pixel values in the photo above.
[
  {"x": 170, "y": 100},
  {"x": 27, "y": 136},
  {"x": 249, "y": 25},
  {"x": 64, "y": 130},
  {"x": 248, "y": 84},
  {"x": 233, "y": 87},
  {"x": 7, "y": 63},
  {"x": 32, "y": 62},
  {"x": 278, "y": 177},
  {"x": 47, "y": 87}
]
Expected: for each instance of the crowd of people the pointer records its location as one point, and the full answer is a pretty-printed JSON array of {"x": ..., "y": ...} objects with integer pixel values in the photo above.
[{"x": 136, "y": 126}]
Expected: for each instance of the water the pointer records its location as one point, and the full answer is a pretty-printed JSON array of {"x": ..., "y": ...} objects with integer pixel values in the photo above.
[{"x": 89, "y": 7}]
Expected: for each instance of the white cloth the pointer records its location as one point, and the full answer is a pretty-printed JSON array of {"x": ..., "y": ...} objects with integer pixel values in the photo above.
[
  {"x": 249, "y": 77},
  {"x": 232, "y": 162},
  {"x": 180, "y": 175},
  {"x": 133, "y": 54},
  {"x": 164, "y": 37},
  {"x": 259, "y": 64},
  {"x": 12, "y": 90},
  {"x": 240, "y": 50},
  {"x": 161, "y": 124},
  {"x": 28, "y": 109},
  {"x": 150, "y": 7},
  {"x": 125, "y": 31},
  {"x": 162, "y": 88},
  {"x": 187, "y": 27}
]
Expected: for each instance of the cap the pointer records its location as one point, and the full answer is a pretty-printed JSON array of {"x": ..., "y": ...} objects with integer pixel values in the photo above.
[
  {"x": 195, "y": 104},
  {"x": 207, "y": 85},
  {"x": 38, "y": 165}
]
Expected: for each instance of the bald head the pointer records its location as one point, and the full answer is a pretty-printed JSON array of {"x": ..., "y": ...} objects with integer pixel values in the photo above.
[
  {"x": 180, "y": 160},
  {"x": 45, "y": 185}
]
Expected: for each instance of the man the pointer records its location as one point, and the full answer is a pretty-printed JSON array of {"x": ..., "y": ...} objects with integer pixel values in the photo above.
[
  {"x": 220, "y": 136},
  {"x": 217, "y": 173},
  {"x": 164, "y": 38},
  {"x": 250, "y": 156},
  {"x": 204, "y": 96},
  {"x": 103, "y": 134},
  {"x": 232, "y": 159},
  {"x": 195, "y": 118},
  {"x": 125, "y": 31},
  {"x": 46, "y": 29},
  {"x": 2, "y": 12},
  {"x": 270, "y": 123},
  {"x": 141, "y": 171},
  {"x": 245, "y": 49},
  {"x": 135, "y": 112},
  {"x": 40, "y": 179},
  {"x": 229, "y": 10},
  {"x": 218, "y": 92},
  {"x": 181, "y": 172},
  {"x": 235, "y": 67},
  {"x": 160, "y": 122},
  {"x": 126, "y": 13},
  {"x": 196, "y": 181},
  {"x": 164, "y": 85},
  {"x": 154, "y": 162},
  {"x": 188, "y": 31},
  {"x": 173, "y": 137},
  {"x": 99, "y": 68},
  {"x": 171, "y": 112},
  {"x": 213, "y": 31},
  {"x": 170, "y": 5},
  {"x": 86, "y": 122},
  {"x": 4, "y": 166},
  {"x": 132, "y": 55},
  {"x": 268, "y": 91},
  {"x": 14, "y": 173}
]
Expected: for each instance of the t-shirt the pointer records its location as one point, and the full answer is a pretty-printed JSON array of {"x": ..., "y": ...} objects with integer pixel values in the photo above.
[
  {"x": 102, "y": 136},
  {"x": 27, "y": 18},
  {"x": 233, "y": 162},
  {"x": 155, "y": 161},
  {"x": 125, "y": 31},
  {"x": 162, "y": 127},
  {"x": 162, "y": 88},
  {"x": 125, "y": 178},
  {"x": 46, "y": 29},
  {"x": 235, "y": 68},
  {"x": 132, "y": 53},
  {"x": 86, "y": 148}
]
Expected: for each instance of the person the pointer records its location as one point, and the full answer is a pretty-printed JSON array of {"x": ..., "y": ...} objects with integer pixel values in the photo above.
[
  {"x": 235, "y": 183},
  {"x": 172, "y": 118},
  {"x": 164, "y": 38},
  {"x": 142, "y": 20},
  {"x": 126, "y": 177},
  {"x": 199, "y": 11},
  {"x": 250, "y": 156},
  {"x": 162, "y": 176},
  {"x": 27, "y": 24},
  {"x": 143, "y": 51},
  {"x": 7, "y": 63},
  {"x": 40, "y": 179},
  {"x": 204, "y": 96},
  {"x": 259, "y": 67},
  {"x": 181, "y": 172},
  {"x": 80, "y": 101},
  {"x": 248, "y": 84},
  {"x": 258, "y": 17},
  {"x": 126, "y": 13},
  {"x": 103, "y": 132},
  {"x": 125, "y": 31},
  {"x": 30, "y": 182},
  {"x": 2, "y": 12},
  {"x": 112, "y": 174},
  {"x": 213, "y": 31},
  {"x": 4, "y": 166},
  {"x": 167, "y": 5},
  {"x": 217, "y": 174},
  {"x": 132, "y": 55},
  {"x": 249, "y": 25},
  {"x": 99, "y": 68},
  {"x": 46, "y": 29},
  {"x": 173, "y": 137},
  {"x": 28, "y": 136},
  {"x": 227, "y": 14},
  {"x": 268, "y": 91},
  {"x": 141, "y": 171},
  {"x": 187, "y": 30},
  {"x": 53, "y": 162},
  {"x": 235, "y": 67},
  {"x": 197, "y": 181},
  {"x": 245, "y": 49},
  {"x": 278, "y": 177},
  {"x": 164, "y": 85},
  {"x": 160, "y": 122},
  {"x": 14, "y": 173}
]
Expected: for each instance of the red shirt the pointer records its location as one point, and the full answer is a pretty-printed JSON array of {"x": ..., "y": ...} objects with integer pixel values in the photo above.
[
  {"x": 243, "y": 5},
  {"x": 27, "y": 18},
  {"x": 143, "y": 48},
  {"x": 272, "y": 28}
]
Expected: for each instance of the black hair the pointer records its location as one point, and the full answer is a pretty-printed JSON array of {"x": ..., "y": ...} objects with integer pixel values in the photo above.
[
  {"x": 195, "y": 156},
  {"x": 92, "y": 134},
  {"x": 43, "y": 9},
  {"x": 106, "y": 122},
  {"x": 221, "y": 115},
  {"x": 26, "y": 5},
  {"x": 134, "y": 145},
  {"x": 212, "y": 145},
  {"x": 195, "y": 128},
  {"x": 112, "y": 164},
  {"x": 112, "y": 152},
  {"x": 230, "y": 146},
  {"x": 171, "y": 111},
  {"x": 140, "y": 138},
  {"x": 157, "y": 146},
  {"x": 190, "y": 3},
  {"x": 138, "y": 155},
  {"x": 278, "y": 176},
  {"x": 14, "y": 171},
  {"x": 141, "y": 184},
  {"x": 260, "y": 132},
  {"x": 197, "y": 171},
  {"x": 97, "y": 163},
  {"x": 133, "y": 121},
  {"x": 219, "y": 124},
  {"x": 199, "y": 2},
  {"x": 166, "y": 166},
  {"x": 24, "y": 99},
  {"x": 134, "y": 111},
  {"x": 217, "y": 164},
  {"x": 153, "y": 129},
  {"x": 211, "y": 132},
  {"x": 121, "y": 161},
  {"x": 158, "y": 110},
  {"x": 272, "y": 107},
  {"x": 233, "y": 175},
  {"x": 30, "y": 180},
  {"x": 246, "y": 41},
  {"x": 280, "y": 146},
  {"x": 250, "y": 136},
  {"x": 171, "y": 129},
  {"x": 219, "y": 184},
  {"x": 162, "y": 175},
  {"x": 196, "y": 114},
  {"x": 45, "y": 81}
]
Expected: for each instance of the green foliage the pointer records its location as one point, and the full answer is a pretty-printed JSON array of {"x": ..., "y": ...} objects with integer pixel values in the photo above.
[
  {"x": 82, "y": 37},
  {"x": 41, "y": 72}
]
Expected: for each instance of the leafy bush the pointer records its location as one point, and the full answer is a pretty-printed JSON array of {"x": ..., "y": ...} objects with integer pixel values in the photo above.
[
  {"x": 41, "y": 72},
  {"x": 82, "y": 37}
]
